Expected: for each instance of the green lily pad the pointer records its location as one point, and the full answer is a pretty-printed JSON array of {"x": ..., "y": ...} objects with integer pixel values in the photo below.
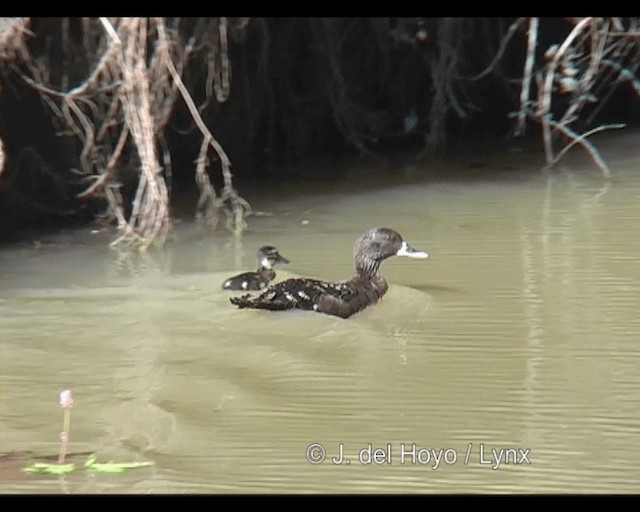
[{"x": 51, "y": 469}]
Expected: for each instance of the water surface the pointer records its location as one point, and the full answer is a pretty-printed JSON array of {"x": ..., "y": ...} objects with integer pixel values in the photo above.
[{"x": 507, "y": 362}]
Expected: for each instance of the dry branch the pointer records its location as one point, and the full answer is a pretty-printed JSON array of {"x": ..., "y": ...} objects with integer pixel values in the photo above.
[
  {"x": 120, "y": 110},
  {"x": 2, "y": 157},
  {"x": 573, "y": 77},
  {"x": 532, "y": 43},
  {"x": 209, "y": 205}
]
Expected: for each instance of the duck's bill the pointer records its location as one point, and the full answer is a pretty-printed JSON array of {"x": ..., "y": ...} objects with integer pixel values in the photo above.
[
  {"x": 407, "y": 250},
  {"x": 282, "y": 259}
]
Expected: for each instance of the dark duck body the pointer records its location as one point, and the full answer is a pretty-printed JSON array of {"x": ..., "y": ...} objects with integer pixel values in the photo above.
[
  {"x": 343, "y": 298},
  {"x": 268, "y": 256}
]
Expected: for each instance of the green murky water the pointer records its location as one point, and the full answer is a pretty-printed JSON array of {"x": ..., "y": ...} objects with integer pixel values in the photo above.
[{"x": 507, "y": 362}]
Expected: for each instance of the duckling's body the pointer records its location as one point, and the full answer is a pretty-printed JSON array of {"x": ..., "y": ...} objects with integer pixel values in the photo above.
[
  {"x": 267, "y": 256},
  {"x": 343, "y": 298}
]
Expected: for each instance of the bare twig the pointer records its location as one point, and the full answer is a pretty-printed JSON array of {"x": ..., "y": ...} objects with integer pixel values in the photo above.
[
  {"x": 503, "y": 46},
  {"x": 582, "y": 140},
  {"x": 544, "y": 104},
  {"x": 2, "y": 157},
  {"x": 109, "y": 172},
  {"x": 589, "y": 60},
  {"x": 532, "y": 42},
  {"x": 238, "y": 206}
]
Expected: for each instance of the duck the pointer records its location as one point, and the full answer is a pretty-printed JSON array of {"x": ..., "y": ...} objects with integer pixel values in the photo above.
[
  {"x": 267, "y": 257},
  {"x": 342, "y": 298}
]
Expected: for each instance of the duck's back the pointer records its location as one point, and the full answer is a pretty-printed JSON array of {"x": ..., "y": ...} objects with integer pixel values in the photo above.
[{"x": 341, "y": 299}]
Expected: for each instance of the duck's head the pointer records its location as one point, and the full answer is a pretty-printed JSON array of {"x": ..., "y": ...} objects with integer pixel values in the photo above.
[
  {"x": 268, "y": 256},
  {"x": 378, "y": 244}
]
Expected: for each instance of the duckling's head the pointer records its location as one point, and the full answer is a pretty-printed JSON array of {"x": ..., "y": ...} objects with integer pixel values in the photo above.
[
  {"x": 378, "y": 244},
  {"x": 268, "y": 256}
]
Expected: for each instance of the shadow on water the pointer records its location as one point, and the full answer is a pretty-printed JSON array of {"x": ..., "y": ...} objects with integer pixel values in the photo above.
[{"x": 430, "y": 288}]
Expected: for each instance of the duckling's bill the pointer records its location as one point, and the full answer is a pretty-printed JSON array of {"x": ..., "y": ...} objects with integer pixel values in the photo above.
[{"x": 272, "y": 259}]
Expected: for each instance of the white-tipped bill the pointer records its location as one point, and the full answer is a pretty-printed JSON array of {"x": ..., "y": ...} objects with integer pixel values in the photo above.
[{"x": 406, "y": 250}]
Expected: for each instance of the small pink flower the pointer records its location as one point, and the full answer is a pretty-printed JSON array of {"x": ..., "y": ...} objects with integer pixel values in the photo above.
[{"x": 66, "y": 399}]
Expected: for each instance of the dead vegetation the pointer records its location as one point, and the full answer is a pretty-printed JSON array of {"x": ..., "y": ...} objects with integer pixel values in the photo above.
[
  {"x": 574, "y": 79},
  {"x": 112, "y": 86},
  {"x": 120, "y": 110}
]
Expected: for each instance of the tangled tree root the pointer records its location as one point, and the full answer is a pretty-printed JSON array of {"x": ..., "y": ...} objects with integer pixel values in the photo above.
[{"x": 119, "y": 113}]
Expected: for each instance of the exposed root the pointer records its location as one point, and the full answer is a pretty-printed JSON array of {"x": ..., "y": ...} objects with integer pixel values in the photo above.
[
  {"x": 576, "y": 75},
  {"x": 119, "y": 113}
]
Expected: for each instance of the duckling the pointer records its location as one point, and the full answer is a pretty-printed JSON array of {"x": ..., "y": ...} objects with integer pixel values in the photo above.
[{"x": 267, "y": 257}]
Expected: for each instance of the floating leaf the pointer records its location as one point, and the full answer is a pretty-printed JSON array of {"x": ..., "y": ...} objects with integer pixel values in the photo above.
[
  {"x": 51, "y": 469},
  {"x": 114, "y": 467}
]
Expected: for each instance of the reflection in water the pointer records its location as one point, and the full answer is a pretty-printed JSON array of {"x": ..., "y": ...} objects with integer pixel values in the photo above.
[{"x": 518, "y": 336}]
